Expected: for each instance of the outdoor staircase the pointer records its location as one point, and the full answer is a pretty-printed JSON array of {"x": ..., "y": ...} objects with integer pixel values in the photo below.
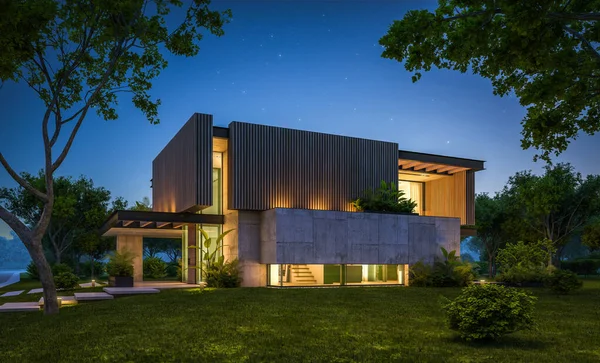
[{"x": 301, "y": 275}]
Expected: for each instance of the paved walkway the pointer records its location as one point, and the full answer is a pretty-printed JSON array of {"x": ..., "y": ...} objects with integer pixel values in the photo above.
[{"x": 108, "y": 294}]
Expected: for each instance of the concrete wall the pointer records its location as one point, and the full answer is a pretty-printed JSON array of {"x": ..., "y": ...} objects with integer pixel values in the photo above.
[
  {"x": 248, "y": 247},
  {"x": 135, "y": 245},
  {"x": 299, "y": 236}
]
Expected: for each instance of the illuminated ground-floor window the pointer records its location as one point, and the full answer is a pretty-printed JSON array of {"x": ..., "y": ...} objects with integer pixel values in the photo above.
[{"x": 331, "y": 275}]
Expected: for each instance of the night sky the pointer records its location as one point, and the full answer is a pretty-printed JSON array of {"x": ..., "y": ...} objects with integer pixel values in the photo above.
[{"x": 312, "y": 65}]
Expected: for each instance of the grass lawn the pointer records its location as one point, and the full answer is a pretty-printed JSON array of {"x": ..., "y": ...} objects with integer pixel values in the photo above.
[{"x": 294, "y": 325}]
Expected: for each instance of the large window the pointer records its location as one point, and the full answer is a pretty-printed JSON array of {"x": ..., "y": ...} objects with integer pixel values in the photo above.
[
  {"x": 328, "y": 275},
  {"x": 413, "y": 190},
  {"x": 217, "y": 187}
]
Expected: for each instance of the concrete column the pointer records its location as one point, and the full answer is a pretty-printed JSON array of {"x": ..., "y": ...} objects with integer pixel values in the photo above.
[{"x": 135, "y": 245}]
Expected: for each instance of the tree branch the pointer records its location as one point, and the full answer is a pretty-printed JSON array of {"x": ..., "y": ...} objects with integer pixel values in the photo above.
[
  {"x": 475, "y": 13},
  {"x": 585, "y": 42},
  {"x": 13, "y": 222},
  {"x": 22, "y": 182},
  {"x": 575, "y": 16},
  {"x": 116, "y": 54}
]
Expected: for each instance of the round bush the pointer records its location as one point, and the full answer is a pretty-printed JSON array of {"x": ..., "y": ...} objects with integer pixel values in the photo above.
[
  {"x": 154, "y": 268},
  {"x": 563, "y": 281},
  {"x": 489, "y": 311},
  {"x": 66, "y": 280}
]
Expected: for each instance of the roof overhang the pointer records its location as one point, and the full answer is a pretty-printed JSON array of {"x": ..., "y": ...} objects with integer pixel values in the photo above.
[
  {"x": 414, "y": 162},
  {"x": 154, "y": 224}
]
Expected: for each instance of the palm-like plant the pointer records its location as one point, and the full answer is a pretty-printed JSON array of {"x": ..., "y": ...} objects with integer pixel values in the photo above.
[
  {"x": 214, "y": 257},
  {"x": 386, "y": 198}
]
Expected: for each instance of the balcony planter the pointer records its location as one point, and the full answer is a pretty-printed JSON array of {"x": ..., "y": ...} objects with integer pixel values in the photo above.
[{"x": 120, "y": 281}]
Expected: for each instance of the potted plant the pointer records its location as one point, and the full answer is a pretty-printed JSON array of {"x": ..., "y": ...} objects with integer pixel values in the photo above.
[{"x": 120, "y": 269}]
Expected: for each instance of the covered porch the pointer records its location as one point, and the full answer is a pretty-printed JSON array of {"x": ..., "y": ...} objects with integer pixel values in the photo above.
[{"x": 130, "y": 228}]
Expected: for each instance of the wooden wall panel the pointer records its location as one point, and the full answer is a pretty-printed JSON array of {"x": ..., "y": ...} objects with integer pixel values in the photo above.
[
  {"x": 182, "y": 171},
  {"x": 446, "y": 197},
  {"x": 274, "y": 167}
]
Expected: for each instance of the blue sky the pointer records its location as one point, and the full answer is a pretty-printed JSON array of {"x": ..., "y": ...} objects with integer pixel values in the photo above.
[{"x": 313, "y": 65}]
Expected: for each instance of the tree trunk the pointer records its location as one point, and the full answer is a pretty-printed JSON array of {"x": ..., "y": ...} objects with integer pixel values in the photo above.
[
  {"x": 50, "y": 297},
  {"x": 490, "y": 267},
  {"x": 57, "y": 255}
]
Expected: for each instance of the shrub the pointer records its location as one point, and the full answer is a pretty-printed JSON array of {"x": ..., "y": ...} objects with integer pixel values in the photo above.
[
  {"x": 99, "y": 268},
  {"x": 173, "y": 269},
  {"x": 386, "y": 198},
  {"x": 420, "y": 275},
  {"x": 449, "y": 272},
  {"x": 524, "y": 263},
  {"x": 32, "y": 271},
  {"x": 563, "y": 282},
  {"x": 154, "y": 268},
  {"x": 584, "y": 266},
  {"x": 66, "y": 280},
  {"x": 489, "y": 311},
  {"x": 120, "y": 264},
  {"x": 223, "y": 274},
  {"x": 59, "y": 268}
]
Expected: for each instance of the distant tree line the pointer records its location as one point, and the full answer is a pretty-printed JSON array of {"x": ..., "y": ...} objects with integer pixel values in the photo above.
[{"x": 558, "y": 206}]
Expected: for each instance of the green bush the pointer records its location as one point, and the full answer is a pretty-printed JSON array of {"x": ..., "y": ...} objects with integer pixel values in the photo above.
[
  {"x": 59, "y": 268},
  {"x": 223, "y": 274},
  {"x": 120, "y": 264},
  {"x": 99, "y": 268},
  {"x": 448, "y": 272},
  {"x": 172, "y": 269},
  {"x": 154, "y": 268},
  {"x": 563, "y": 282},
  {"x": 66, "y": 280},
  {"x": 489, "y": 311},
  {"x": 521, "y": 263},
  {"x": 32, "y": 271},
  {"x": 386, "y": 198},
  {"x": 420, "y": 275},
  {"x": 584, "y": 266}
]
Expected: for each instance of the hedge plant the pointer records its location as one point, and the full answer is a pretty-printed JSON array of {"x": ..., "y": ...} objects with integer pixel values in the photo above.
[
  {"x": 563, "y": 281},
  {"x": 489, "y": 311}
]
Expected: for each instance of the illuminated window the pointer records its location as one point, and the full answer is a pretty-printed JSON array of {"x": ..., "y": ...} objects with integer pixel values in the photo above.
[{"x": 414, "y": 191}]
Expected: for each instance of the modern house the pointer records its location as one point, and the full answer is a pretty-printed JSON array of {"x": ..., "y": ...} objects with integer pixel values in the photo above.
[{"x": 287, "y": 196}]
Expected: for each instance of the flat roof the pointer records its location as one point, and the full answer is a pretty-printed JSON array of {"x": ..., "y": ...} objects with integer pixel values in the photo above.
[
  {"x": 153, "y": 221},
  {"x": 425, "y": 158}
]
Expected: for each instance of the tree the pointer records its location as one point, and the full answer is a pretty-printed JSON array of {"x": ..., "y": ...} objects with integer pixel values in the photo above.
[
  {"x": 77, "y": 56},
  {"x": 543, "y": 51},
  {"x": 144, "y": 205},
  {"x": 490, "y": 218},
  {"x": 79, "y": 210},
  {"x": 591, "y": 234},
  {"x": 552, "y": 206}
]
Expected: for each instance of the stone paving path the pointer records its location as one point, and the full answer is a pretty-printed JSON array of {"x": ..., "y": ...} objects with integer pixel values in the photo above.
[
  {"x": 36, "y": 291},
  {"x": 13, "y": 293}
]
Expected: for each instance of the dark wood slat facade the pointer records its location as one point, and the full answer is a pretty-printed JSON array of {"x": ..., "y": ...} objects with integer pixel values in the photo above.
[
  {"x": 182, "y": 172},
  {"x": 470, "y": 194},
  {"x": 275, "y": 167}
]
